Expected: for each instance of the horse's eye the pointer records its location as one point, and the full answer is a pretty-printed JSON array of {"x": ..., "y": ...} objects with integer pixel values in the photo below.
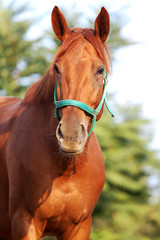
[
  {"x": 100, "y": 70},
  {"x": 56, "y": 69}
]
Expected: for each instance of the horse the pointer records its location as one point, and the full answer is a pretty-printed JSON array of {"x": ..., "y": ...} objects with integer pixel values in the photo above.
[{"x": 51, "y": 168}]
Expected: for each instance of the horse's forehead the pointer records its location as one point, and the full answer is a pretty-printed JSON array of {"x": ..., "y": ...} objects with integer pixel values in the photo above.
[{"x": 81, "y": 50}]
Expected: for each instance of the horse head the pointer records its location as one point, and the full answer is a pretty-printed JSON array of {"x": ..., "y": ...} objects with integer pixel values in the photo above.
[{"x": 79, "y": 67}]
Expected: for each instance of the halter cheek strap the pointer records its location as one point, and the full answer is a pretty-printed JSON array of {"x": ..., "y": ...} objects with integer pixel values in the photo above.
[{"x": 83, "y": 106}]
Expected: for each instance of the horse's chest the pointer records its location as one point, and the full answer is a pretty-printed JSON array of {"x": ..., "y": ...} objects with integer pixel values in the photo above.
[{"x": 68, "y": 202}]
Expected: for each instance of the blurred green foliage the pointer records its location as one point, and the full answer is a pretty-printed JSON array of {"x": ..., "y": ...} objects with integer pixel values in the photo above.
[
  {"x": 124, "y": 210},
  {"x": 19, "y": 57}
]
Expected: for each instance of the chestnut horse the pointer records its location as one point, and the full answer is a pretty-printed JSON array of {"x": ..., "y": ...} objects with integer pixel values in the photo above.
[{"x": 52, "y": 172}]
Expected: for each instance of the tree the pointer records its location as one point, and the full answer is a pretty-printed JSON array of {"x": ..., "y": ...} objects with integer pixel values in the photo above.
[
  {"x": 19, "y": 57},
  {"x": 124, "y": 204}
]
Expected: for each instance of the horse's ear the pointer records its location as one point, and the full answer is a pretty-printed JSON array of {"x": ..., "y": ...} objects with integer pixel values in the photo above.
[
  {"x": 102, "y": 25},
  {"x": 59, "y": 24}
]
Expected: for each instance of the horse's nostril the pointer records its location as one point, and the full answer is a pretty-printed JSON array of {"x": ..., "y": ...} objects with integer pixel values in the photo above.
[
  {"x": 82, "y": 128},
  {"x": 59, "y": 132},
  {"x": 83, "y": 131}
]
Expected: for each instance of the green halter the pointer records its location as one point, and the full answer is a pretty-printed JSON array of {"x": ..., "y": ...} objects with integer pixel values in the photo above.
[{"x": 83, "y": 106}]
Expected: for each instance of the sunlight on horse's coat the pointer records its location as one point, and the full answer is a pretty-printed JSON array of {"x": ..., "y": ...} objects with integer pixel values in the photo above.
[{"x": 52, "y": 173}]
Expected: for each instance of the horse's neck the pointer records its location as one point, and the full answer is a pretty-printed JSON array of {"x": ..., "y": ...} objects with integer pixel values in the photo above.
[{"x": 42, "y": 90}]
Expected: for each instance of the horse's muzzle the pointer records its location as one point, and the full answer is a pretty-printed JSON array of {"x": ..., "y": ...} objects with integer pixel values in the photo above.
[{"x": 71, "y": 137}]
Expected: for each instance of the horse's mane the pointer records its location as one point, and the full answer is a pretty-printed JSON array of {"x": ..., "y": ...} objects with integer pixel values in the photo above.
[{"x": 42, "y": 90}]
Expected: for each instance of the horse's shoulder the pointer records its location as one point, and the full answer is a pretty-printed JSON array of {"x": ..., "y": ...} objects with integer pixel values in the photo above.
[
  {"x": 96, "y": 158},
  {"x": 95, "y": 146}
]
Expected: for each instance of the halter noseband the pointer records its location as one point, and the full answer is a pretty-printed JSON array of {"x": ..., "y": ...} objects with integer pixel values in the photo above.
[{"x": 83, "y": 106}]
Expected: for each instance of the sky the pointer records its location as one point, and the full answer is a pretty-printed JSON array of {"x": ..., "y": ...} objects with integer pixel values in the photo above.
[{"x": 136, "y": 72}]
